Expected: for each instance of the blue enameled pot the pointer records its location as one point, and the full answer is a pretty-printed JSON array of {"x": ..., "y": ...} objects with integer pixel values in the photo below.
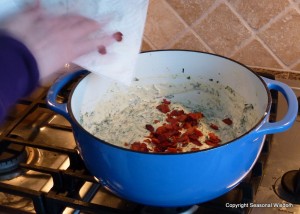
[{"x": 183, "y": 179}]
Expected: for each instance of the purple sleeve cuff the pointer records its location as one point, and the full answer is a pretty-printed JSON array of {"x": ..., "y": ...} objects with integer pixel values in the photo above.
[{"x": 19, "y": 73}]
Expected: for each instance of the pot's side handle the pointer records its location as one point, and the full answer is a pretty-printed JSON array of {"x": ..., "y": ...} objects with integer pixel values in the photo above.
[
  {"x": 291, "y": 115},
  {"x": 61, "y": 108}
]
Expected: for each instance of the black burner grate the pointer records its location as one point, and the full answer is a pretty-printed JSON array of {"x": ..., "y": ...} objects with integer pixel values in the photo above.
[{"x": 68, "y": 182}]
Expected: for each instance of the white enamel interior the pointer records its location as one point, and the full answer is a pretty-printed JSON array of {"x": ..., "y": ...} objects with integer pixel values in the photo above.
[{"x": 161, "y": 66}]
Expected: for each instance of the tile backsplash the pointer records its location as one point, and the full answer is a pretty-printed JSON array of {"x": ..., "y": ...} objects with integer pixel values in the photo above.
[{"x": 262, "y": 34}]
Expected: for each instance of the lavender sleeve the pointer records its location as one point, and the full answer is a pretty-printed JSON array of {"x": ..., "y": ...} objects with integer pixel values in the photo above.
[{"x": 18, "y": 72}]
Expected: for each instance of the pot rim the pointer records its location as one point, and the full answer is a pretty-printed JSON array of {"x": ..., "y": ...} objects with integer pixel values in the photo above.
[{"x": 183, "y": 153}]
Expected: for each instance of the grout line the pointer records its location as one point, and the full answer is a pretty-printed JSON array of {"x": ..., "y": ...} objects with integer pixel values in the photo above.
[
  {"x": 178, "y": 35},
  {"x": 242, "y": 45},
  {"x": 207, "y": 13},
  {"x": 277, "y": 59},
  {"x": 200, "y": 19},
  {"x": 295, "y": 63},
  {"x": 255, "y": 32},
  {"x": 245, "y": 24},
  {"x": 208, "y": 48},
  {"x": 295, "y": 5},
  {"x": 175, "y": 13},
  {"x": 195, "y": 34},
  {"x": 148, "y": 41},
  {"x": 275, "y": 18},
  {"x": 216, "y": 4},
  {"x": 189, "y": 28},
  {"x": 241, "y": 19}
]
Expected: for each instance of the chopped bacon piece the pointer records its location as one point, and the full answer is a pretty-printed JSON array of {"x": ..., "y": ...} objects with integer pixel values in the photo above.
[
  {"x": 191, "y": 121},
  {"x": 186, "y": 125},
  {"x": 172, "y": 121},
  {"x": 198, "y": 133},
  {"x": 214, "y": 137},
  {"x": 183, "y": 138},
  {"x": 213, "y": 126},
  {"x": 147, "y": 141},
  {"x": 196, "y": 116},
  {"x": 210, "y": 143},
  {"x": 168, "y": 126},
  {"x": 155, "y": 141},
  {"x": 193, "y": 136},
  {"x": 190, "y": 131},
  {"x": 157, "y": 149},
  {"x": 162, "y": 138},
  {"x": 165, "y": 101},
  {"x": 196, "y": 142},
  {"x": 176, "y": 113},
  {"x": 182, "y": 118},
  {"x": 173, "y": 133},
  {"x": 156, "y": 121},
  {"x": 171, "y": 150},
  {"x": 184, "y": 144},
  {"x": 194, "y": 149},
  {"x": 150, "y": 128},
  {"x": 141, "y": 147},
  {"x": 179, "y": 149},
  {"x": 160, "y": 148},
  {"x": 164, "y": 108},
  {"x": 213, "y": 140},
  {"x": 227, "y": 121},
  {"x": 161, "y": 130}
]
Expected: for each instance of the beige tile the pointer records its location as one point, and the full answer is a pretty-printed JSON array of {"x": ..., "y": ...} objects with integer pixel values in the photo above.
[
  {"x": 294, "y": 76},
  {"x": 189, "y": 42},
  {"x": 283, "y": 37},
  {"x": 190, "y": 10},
  {"x": 296, "y": 67},
  {"x": 258, "y": 13},
  {"x": 254, "y": 54},
  {"x": 162, "y": 25},
  {"x": 145, "y": 46},
  {"x": 222, "y": 30},
  {"x": 277, "y": 74}
]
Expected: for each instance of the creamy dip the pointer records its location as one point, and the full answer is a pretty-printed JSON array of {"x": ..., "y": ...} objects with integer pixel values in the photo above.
[{"x": 122, "y": 114}]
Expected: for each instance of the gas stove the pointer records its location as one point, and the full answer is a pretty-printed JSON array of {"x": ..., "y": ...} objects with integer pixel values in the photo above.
[{"x": 42, "y": 172}]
